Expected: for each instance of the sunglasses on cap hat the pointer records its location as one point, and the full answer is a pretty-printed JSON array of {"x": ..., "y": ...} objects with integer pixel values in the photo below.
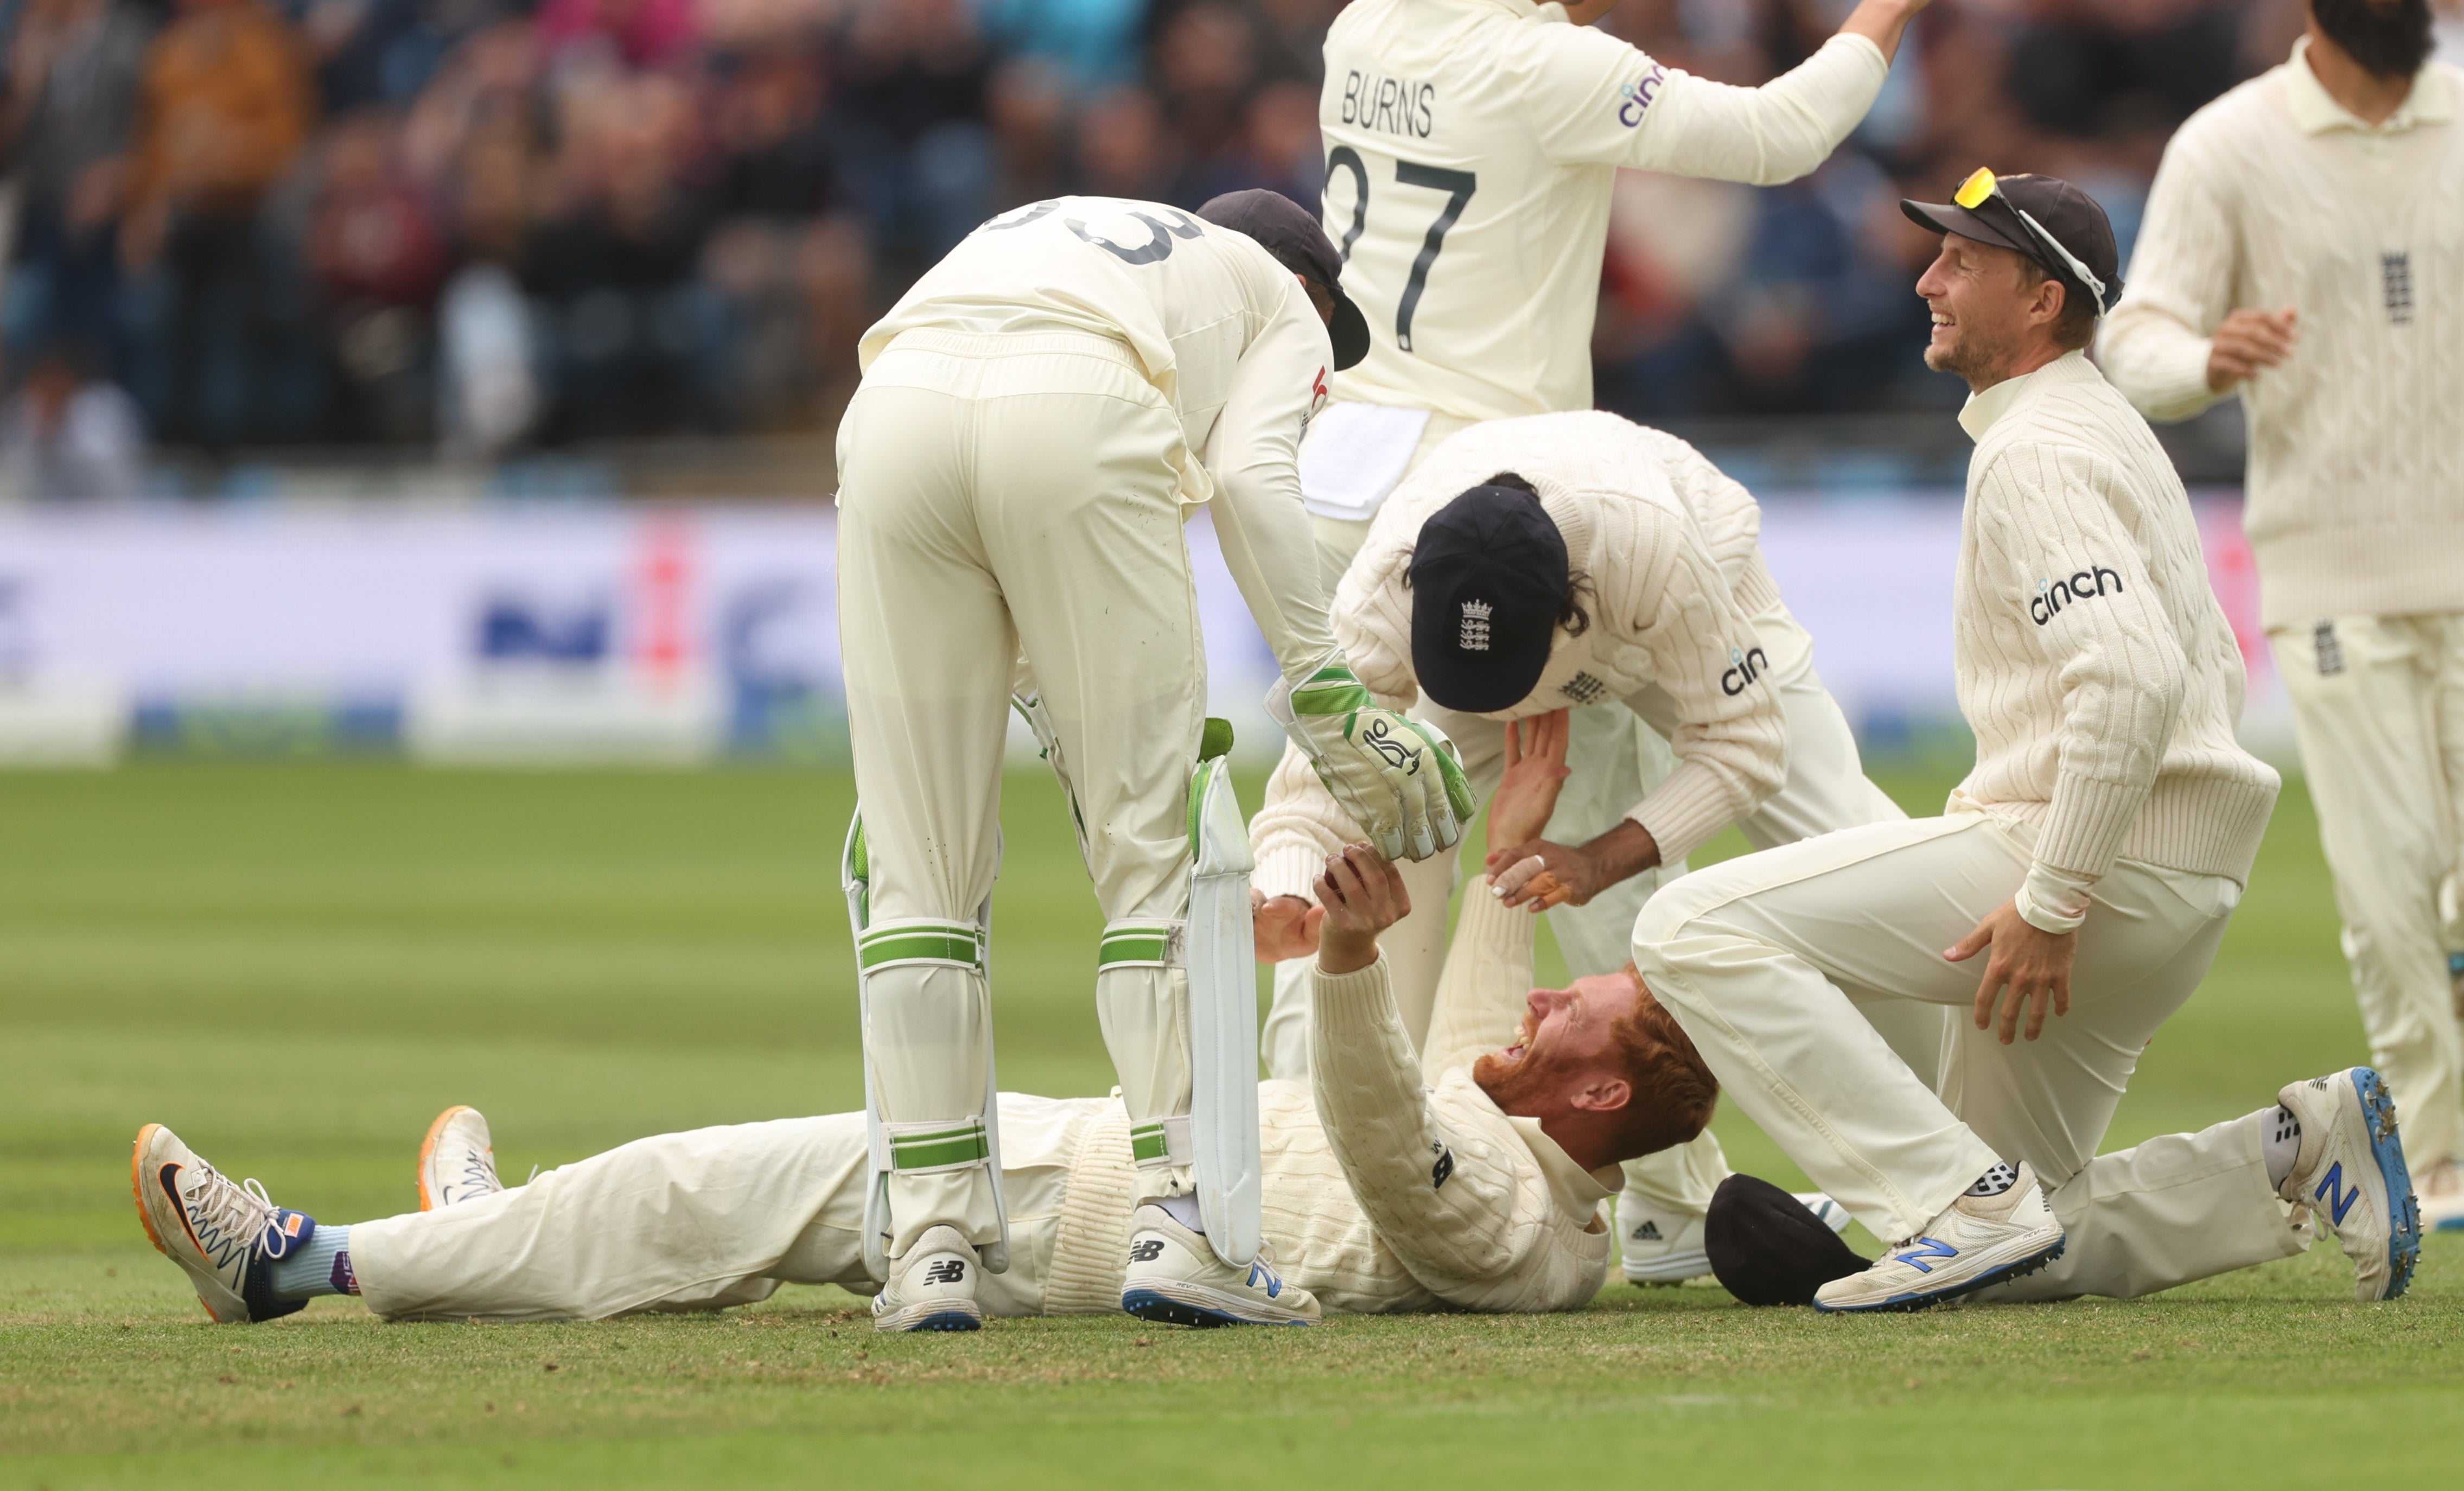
[{"x": 1983, "y": 186}]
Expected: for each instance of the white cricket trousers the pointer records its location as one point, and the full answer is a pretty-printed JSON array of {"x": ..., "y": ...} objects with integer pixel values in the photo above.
[
  {"x": 2378, "y": 705},
  {"x": 1769, "y": 961},
  {"x": 999, "y": 495},
  {"x": 703, "y": 1221},
  {"x": 1617, "y": 753}
]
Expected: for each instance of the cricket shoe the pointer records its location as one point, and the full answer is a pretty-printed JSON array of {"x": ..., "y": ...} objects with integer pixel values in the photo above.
[
  {"x": 1176, "y": 1279},
  {"x": 226, "y": 1236},
  {"x": 1976, "y": 1241},
  {"x": 2349, "y": 1175},
  {"x": 932, "y": 1286},
  {"x": 2440, "y": 1190},
  {"x": 1665, "y": 1247},
  {"x": 458, "y": 1162}
]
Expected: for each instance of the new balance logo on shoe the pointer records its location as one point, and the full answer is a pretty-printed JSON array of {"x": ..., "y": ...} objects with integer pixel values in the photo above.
[
  {"x": 1261, "y": 1274},
  {"x": 1146, "y": 1252},
  {"x": 2332, "y": 1191},
  {"x": 1925, "y": 1248},
  {"x": 1648, "y": 1231},
  {"x": 950, "y": 1270}
]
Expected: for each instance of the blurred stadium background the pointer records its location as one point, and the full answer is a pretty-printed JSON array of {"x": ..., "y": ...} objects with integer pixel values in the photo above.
[{"x": 457, "y": 377}]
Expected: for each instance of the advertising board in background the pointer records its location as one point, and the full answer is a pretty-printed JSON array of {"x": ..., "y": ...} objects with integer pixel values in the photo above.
[{"x": 565, "y": 634}]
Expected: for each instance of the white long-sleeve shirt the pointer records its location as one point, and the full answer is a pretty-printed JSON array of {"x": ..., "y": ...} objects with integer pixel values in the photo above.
[
  {"x": 1392, "y": 1182},
  {"x": 1671, "y": 546},
  {"x": 2091, "y": 657},
  {"x": 1471, "y": 148},
  {"x": 2274, "y": 196},
  {"x": 1220, "y": 329}
]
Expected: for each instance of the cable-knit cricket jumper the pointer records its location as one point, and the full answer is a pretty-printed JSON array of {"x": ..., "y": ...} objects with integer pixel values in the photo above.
[
  {"x": 2091, "y": 659},
  {"x": 2275, "y": 196},
  {"x": 1397, "y": 1185},
  {"x": 1671, "y": 546}
]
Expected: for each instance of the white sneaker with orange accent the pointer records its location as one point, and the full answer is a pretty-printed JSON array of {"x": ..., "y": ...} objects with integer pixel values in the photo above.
[
  {"x": 225, "y": 1235},
  {"x": 458, "y": 1162}
]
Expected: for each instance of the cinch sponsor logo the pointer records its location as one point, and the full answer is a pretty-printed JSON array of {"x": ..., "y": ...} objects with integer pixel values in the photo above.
[
  {"x": 1389, "y": 106},
  {"x": 1749, "y": 667},
  {"x": 2052, "y": 594},
  {"x": 1635, "y": 96}
]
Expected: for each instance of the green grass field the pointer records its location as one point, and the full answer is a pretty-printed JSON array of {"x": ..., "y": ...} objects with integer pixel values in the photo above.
[{"x": 297, "y": 966}]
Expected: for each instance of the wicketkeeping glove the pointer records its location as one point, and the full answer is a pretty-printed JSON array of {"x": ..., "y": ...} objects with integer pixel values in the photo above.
[{"x": 1398, "y": 778}]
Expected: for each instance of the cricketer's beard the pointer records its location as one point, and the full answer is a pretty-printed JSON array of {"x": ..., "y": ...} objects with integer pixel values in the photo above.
[
  {"x": 1514, "y": 1086},
  {"x": 2388, "y": 40}
]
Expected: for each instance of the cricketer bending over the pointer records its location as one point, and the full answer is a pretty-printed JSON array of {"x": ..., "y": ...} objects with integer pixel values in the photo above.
[
  {"x": 1586, "y": 564},
  {"x": 1468, "y": 1179},
  {"x": 1038, "y": 414},
  {"x": 1472, "y": 149}
]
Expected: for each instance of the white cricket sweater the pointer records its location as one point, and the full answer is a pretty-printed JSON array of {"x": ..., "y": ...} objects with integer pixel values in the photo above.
[
  {"x": 2091, "y": 659},
  {"x": 1397, "y": 1185},
  {"x": 1471, "y": 148},
  {"x": 2274, "y": 195},
  {"x": 1672, "y": 546}
]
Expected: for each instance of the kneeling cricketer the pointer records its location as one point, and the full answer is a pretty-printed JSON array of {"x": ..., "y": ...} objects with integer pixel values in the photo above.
[{"x": 1471, "y": 1179}]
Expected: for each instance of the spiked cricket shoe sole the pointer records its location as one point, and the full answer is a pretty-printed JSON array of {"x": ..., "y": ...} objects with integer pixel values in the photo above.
[
  {"x": 154, "y": 1168},
  {"x": 2360, "y": 1167},
  {"x": 1175, "y": 1278},
  {"x": 1177, "y": 1301},
  {"x": 1908, "y": 1300},
  {"x": 930, "y": 1315},
  {"x": 1670, "y": 1270}
]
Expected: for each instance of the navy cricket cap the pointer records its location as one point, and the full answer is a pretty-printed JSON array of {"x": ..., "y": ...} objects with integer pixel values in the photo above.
[
  {"x": 1765, "y": 1248},
  {"x": 1488, "y": 578},
  {"x": 1291, "y": 233}
]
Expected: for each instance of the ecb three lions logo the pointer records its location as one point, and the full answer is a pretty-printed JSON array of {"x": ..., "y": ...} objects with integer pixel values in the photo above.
[{"x": 2052, "y": 594}]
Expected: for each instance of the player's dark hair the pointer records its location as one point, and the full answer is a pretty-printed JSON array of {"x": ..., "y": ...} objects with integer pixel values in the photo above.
[
  {"x": 2075, "y": 327},
  {"x": 1571, "y": 614},
  {"x": 1674, "y": 1090}
]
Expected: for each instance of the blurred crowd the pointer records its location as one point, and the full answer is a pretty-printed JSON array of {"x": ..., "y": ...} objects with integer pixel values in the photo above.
[{"x": 493, "y": 223}]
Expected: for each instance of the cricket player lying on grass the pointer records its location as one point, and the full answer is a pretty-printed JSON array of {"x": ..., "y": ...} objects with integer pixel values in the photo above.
[
  {"x": 1583, "y": 563},
  {"x": 1472, "y": 1179}
]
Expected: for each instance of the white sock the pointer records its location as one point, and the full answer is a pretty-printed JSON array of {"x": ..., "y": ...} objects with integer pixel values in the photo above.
[
  {"x": 1994, "y": 1183},
  {"x": 1183, "y": 1209},
  {"x": 2281, "y": 1145},
  {"x": 323, "y": 1267}
]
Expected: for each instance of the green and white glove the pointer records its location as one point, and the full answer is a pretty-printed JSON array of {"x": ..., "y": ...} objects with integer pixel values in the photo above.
[{"x": 1398, "y": 778}]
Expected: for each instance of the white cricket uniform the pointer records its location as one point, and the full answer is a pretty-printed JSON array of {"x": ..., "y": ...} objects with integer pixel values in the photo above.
[
  {"x": 1688, "y": 636},
  {"x": 2103, "y": 685},
  {"x": 1037, "y": 416},
  {"x": 2275, "y": 196},
  {"x": 1396, "y": 1185},
  {"x": 1471, "y": 149}
]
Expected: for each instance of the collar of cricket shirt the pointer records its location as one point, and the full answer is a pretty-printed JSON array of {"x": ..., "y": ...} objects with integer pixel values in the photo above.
[
  {"x": 2316, "y": 111},
  {"x": 1984, "y": 409}
]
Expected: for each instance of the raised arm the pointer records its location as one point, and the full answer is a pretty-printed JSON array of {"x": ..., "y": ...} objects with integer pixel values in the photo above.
[
  {"x": 1459, "y": 1202},
  {"x": 1600, "y": 100}
]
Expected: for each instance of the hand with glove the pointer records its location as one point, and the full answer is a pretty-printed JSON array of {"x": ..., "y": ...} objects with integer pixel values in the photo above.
[{"x": 1398, "y": 778}]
